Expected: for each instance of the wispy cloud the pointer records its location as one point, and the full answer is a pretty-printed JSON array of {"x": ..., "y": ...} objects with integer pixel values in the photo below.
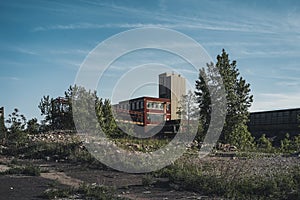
[
  {"x": 70, "y": 51},
  {"x": 10, "y": 78},
  {"x": 174, "y": 25},
  {"x": 271, "y": 101},
  {"x": 24, "y": 50}
]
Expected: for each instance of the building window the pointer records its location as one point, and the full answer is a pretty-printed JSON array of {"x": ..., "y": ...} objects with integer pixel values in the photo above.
[{"x": 155, "y": 118}]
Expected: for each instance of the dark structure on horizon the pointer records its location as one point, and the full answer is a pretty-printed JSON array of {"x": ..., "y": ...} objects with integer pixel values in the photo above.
[
  {"x": 275, "y": 124},
  {"x": 2, "y": 126},
  {"x": 2, "y": 113}
]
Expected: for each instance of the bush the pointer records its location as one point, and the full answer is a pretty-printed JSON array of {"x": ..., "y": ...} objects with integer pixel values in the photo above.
[{"x": 264, "y": 144}]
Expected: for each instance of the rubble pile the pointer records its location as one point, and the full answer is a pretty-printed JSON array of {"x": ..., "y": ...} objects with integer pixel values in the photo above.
[{"x": 56, "y": 137}]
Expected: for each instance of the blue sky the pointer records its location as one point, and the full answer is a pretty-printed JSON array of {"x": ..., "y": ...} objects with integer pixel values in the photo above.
[{"x": 43, "y": 43}]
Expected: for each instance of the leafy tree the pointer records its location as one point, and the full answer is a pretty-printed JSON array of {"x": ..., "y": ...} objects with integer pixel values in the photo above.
[
  {"x": 60, "y": 115},
  {"x": 58, "y": 112},
  {"x": 32, "y": 126},
  {"x": 296, "y": 143},
  {"x": 108, "y": 123},
  {"x": 16, "y": 128},
  {"x": 189, "y": 113},
  {"x": 188, "y": 109},
  {"x": 286, "y": 144},
  {"x": 264, "y": 143},
  {"x": 238, "y": 101},
  {"x": 46, "y": 110}
]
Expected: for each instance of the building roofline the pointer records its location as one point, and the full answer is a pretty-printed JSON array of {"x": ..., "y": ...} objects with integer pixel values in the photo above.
[
  {"x": 277, "y": 110},
  {"x": 147, "y": 97}
]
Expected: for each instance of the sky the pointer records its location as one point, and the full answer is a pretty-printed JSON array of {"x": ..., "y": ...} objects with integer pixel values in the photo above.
[{"x": 44, "y": 43}]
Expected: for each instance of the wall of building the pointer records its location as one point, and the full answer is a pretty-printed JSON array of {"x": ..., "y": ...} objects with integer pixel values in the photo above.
[
  {"x": 275, "y": 123},
  {"x": 144, "y": 110},
  {"x": 173, "y": 87}
]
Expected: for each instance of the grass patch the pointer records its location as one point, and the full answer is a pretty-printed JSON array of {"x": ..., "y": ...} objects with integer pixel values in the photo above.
[
  {"x": 29, "y": 170},
  {"x": 277, "y": 186},
  {"x": 84, "y": 192}
]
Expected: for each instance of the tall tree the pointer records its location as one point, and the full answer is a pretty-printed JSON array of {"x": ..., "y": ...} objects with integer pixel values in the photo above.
[
  {"x": 58, "y": 112},
  {"x": 189, "y": 113},
  {"x": 238, "y": 101}
]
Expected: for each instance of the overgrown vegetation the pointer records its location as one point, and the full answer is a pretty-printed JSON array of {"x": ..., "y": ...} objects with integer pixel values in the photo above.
[
  {"x": 233, "y": 186},
  {"x": 29, "y": 170},
  {"x": 84, "y": 192}
]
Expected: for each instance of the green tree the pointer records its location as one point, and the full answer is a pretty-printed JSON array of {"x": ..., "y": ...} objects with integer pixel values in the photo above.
[
  {"x": 45, "y": 107},
  {"x": 264, "y": 144},
  {"x": 58, "y": 112},
  {"x": 16, "y": 134},
  {"x": 286, "y": 144},
  {"x": 33, "y": 126},
  {"x": 296, "y": 143},
  {"x": 188, "y": 112},
  {"x": 59, "y": 115},
  {"x": 108, "y": 123},
  {"x": 238, "y": 101}
]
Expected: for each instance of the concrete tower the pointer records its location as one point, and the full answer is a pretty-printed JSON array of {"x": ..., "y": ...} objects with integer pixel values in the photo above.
[{"x": 172, "y": 86}]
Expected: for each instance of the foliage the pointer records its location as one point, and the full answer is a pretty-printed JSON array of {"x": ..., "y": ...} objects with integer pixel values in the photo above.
[
  {"x": 29, "y": 170},
  {"x": 84, "y": 191},
  {"x": 16, "y": 135},
  {"x": 264, "y": 144},
  {"x": 278, "y": 186},
  {"x": 241, "y": 137},
  {"x": 106, "y": 118},
  {"x": 33, "y": 126},
  {"x": 237, "y": 95},
  {"x": 87, "y": 104},
  {"x": 58, "y": 112},
  {"x": 290, "y": 145},
  {"x": 188, "y": 111}
]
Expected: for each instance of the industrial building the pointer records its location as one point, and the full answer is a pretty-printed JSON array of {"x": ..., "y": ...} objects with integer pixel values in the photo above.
[
  {"x": 275, "y": 124},
  {"x": 147, "y": 111},
  {"x": 172, "y": 86},
  {"x": 144, "y": 110}
]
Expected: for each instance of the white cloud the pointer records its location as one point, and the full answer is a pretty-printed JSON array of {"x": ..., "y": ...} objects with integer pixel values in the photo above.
[
  {"x": 70, "y": 51},
  {"x": 274, "y": 101}
]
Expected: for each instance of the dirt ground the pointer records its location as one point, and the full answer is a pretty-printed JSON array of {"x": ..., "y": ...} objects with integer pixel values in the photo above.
[{"x": 126, "y": 185}]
